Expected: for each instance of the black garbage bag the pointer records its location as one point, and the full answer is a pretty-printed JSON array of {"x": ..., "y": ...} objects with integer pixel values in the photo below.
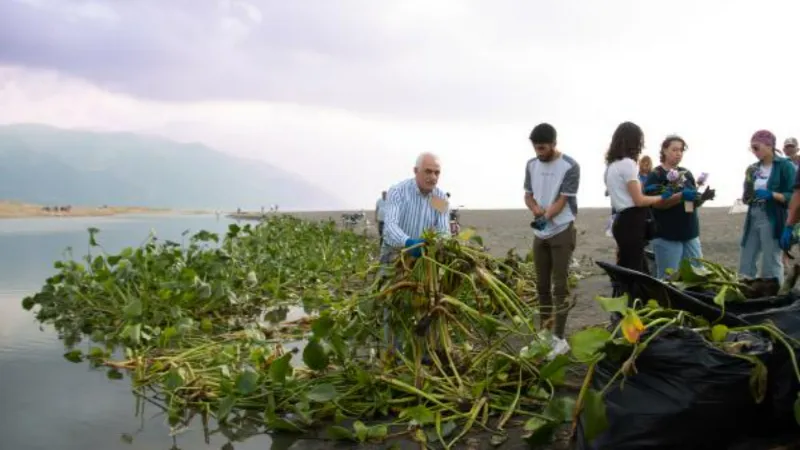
[
  {"x": 643, "y": 286},
  {"x": 686, "y": 394}
]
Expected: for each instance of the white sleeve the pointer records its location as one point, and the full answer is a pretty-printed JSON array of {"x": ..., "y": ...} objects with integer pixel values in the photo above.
[{"x": 629, "y": 170}]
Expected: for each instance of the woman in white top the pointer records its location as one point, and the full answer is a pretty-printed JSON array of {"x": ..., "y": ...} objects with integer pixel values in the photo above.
[{"x": 627, "y": 199}]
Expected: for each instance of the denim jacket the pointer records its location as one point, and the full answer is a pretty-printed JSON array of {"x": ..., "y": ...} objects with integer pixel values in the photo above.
[{"x": 781, "y": 180}]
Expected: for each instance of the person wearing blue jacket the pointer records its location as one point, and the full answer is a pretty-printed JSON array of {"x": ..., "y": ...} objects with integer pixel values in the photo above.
[{"x": 768, "y": 187}]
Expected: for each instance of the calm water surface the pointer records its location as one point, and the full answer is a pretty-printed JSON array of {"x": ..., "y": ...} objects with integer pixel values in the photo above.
[{"x": 49, "y": 403}]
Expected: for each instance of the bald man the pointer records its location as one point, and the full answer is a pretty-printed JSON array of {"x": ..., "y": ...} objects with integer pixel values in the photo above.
[{"x": 413, "y": 206}]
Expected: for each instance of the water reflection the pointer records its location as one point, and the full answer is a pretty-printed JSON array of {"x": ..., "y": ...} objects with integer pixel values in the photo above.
[{"x": 49, "y": 403}]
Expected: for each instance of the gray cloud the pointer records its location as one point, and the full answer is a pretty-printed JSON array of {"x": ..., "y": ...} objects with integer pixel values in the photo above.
[{"x": 356, "y": 55}]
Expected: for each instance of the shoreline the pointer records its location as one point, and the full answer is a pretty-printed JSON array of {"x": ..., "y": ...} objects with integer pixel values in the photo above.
[{"x": 20, "y": 210}]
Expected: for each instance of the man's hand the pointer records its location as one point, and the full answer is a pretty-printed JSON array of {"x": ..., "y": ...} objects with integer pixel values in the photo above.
[
  {"x": 416, "y": 251},
  {"x": 539, "y": 223},
  {"x": 538, "y": 211}
]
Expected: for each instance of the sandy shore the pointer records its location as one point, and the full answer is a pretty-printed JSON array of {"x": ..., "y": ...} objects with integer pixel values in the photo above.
[
  {"x": 506, "y": 229},
  {"x": 11, "y": 209}
]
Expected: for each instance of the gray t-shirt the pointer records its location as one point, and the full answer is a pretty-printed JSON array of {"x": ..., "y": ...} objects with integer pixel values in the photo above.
[{"x": 547, "y": 181}]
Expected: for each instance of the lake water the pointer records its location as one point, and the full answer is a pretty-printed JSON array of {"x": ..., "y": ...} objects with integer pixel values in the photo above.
[{"x": 49, "y": 403}]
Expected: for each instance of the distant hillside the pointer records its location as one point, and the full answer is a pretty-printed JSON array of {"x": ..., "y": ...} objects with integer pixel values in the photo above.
[{"x": 46, "y": 165}]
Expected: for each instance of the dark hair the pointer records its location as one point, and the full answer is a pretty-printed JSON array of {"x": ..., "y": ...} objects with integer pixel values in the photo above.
[
  {"x": 626, "y": 142},
  {"x": 667, "y": 142},
  {"x": 544, "y": 133}
]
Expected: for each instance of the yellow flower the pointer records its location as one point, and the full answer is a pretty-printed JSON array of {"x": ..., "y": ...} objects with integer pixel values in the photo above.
[{"x": 632, "y": 326}]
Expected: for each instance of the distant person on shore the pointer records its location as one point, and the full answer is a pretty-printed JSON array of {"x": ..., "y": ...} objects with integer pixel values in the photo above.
[
  {"x": 645, "y": 168},
  {"x": 627, "y": 199},
  {"x": 380, "y": 214},
  {"x": 413, "y": 206},
  {"x": 551, "y": 189},
  {"x": 790, "y": 149},
  {"x": 768, "y": 189},
  {"x": 677, "y": 233}
]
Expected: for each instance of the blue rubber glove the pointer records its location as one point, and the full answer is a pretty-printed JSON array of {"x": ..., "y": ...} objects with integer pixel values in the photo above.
[
  {"x": 689, "y": 194},
  {"x": 666, "y": 194},
  {"x": 787, "y": 238},
  {"x": 415, "y": 252},
  {"x": 651, "y": 188},
  {"x": 763, "y": 194},
  {"x": 539, "y": 223}
]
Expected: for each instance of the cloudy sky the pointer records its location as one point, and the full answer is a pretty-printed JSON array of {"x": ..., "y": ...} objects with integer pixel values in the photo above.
[{"x": 347, "y": 93}]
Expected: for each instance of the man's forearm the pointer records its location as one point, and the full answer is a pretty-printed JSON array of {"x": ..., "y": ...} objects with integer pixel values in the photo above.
[
  {"x": 794, "y": 206},
  {"x": 556, "y": 207},
  {"x": 530, "y": 202}
]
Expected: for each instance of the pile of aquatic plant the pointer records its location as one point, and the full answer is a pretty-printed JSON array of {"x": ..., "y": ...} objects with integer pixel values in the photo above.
[
  {"x": 431, "y": 355},
  {"x": 222, "y": 282},
  {"x": 704, "y": 276}
]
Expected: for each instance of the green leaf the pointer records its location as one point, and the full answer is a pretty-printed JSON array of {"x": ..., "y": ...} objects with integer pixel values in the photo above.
[
  {"x": 174, "y": 379},
  {"x": 586, "y": 343},
  {"x": 613, "y": 304},
  {"x": 314, "y": 355},
  {"x": 360, "y": 430},
  {"x": 278, "y": 424},
  {"x": 594, "y": 414},
  {"x": 322, "y": 393},
  {"x": 133, "y": 309},
  {"x": 690, "y": 274},
  {"x": 322, "y": 326},
  {"x": 555, "y": 370},
  {"x": 247, "y": 382},
  {"x": 560, "y": 409},
  {"x": 719, "y": 333},
  {"x": 758, "y": 380},
  {"x": 340, "y": 433},
  {"x": 797, "y": 409},
  {"x": 419, "y": 414},
  {"x": 378, "y": 432},
  {"x": 541, "y": 432},
  {"x": 225, "y": 407},
  {"x": 280, "y": 368},
  {"x": 74, "y": 356},
  {"x": 114, "y": 374}
]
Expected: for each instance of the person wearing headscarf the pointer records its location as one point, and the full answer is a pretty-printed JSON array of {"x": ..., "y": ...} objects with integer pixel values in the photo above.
[{"x": 768, "y": 187}]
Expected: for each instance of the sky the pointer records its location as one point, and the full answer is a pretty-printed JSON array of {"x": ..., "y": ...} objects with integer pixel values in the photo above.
[{"x": 348, "y": 93}]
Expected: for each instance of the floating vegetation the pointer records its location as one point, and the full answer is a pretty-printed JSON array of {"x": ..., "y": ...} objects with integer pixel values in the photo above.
[{"x": 428, "y": 352}]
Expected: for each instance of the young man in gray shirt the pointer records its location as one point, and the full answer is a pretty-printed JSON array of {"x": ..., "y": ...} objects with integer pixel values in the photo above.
[{"x": 551, "y": 188}]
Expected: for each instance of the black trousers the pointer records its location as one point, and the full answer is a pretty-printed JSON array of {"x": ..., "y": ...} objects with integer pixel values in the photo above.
[
  {"x": 380, "y": 231},
  {"x": 629, "y": 232}
]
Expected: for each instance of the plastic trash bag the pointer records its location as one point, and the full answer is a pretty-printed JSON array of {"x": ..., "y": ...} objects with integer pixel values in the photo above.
[{"x": 685, "y": 395}]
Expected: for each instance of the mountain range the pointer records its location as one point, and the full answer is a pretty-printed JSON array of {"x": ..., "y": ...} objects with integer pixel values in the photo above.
[{"x": 52, "y": 166}]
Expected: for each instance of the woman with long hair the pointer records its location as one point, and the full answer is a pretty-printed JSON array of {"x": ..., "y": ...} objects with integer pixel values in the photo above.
[
  {"x": 768, "y": 189},
  {"x": 627, "y": 199},
  {"x": 677, "y": 234}
]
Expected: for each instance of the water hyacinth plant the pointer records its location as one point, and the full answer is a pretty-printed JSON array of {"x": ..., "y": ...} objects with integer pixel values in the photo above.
[{"x": 431, "y": 353}]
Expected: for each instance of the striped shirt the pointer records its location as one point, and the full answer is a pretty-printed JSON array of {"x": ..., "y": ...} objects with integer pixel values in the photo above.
[{"x": 409, "y": 213}]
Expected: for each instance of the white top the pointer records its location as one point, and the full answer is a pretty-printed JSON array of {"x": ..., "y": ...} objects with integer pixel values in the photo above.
[
  {"x": 547, "y": 181},
  {"x": 762, "y": 176},
  {"x": 618, "y": 175}
]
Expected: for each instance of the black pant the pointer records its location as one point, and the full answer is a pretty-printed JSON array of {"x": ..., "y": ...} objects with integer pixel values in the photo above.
[
  {"x": 629, "y": 232},
  {"x": 380, "y": 231}
]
